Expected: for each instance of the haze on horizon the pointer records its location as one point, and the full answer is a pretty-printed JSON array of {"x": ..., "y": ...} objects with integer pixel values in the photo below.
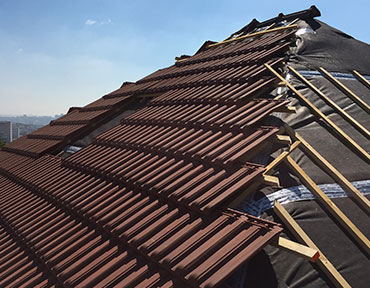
[{"x": 54, "y": 55}]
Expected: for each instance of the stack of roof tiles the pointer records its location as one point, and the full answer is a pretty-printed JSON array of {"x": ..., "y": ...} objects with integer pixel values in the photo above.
[{"x": 145, "y": 205}]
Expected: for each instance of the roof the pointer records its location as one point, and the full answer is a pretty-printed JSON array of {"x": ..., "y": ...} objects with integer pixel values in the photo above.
[
  {"x": 146, "y": 203},
  {"x": 154, "y": 196}
]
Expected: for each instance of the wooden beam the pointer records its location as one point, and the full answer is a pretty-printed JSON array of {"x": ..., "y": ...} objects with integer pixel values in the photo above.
[
  {"x": 298, "y": 249},
  {"x": 361, "y": 78},
  {"x": 270, "y": 26},
  {"x": 294, "y": 21},
  {"x": 346, "y": 90},
  {"x": 270, "y": 167},
  {"x": 279, "y": 96},
  {"x": 330, "y": 169},
  {"x": 329, "y": 205},
  {"x": 324, "y": 264},
  {"x": 318, "y": 113},
  {"x": 283, "y": 139},
  {"x": 270, "y": 180},
  {"x": 336, "y": 107},
  {"x": 252, "y": 34}
]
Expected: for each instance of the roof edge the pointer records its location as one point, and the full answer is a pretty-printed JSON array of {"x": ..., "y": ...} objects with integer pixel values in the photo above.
[{"x": 311, "y": 12}]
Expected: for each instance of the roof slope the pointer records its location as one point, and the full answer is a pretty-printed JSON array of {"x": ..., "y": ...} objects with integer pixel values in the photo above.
[{"x": 146, "y": 203}]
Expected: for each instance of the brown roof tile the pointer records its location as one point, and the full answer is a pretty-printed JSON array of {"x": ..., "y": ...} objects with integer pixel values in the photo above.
[
  {"x": 76, "y": 123},
  {"x": 52, "y": 224},
  {"x": 145, "y": 205}
]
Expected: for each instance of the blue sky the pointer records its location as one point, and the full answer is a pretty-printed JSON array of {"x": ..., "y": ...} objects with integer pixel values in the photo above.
[{"x": 57, "y": 54}]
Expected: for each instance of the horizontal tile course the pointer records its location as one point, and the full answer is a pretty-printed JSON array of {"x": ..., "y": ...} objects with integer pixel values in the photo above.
[{"x": 145, "y": 204}]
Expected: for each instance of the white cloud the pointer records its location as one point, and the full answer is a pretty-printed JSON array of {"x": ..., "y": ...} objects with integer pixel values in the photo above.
[
  {"x": 109, "y": 21},
  {"x": 90, "y": 22},
  {"x": 20, "y": 50}
]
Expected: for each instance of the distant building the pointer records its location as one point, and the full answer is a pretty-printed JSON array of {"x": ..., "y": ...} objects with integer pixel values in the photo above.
[
  {"x": 16, "y": 130},
  {"x": 20, "y": 129},
  {"x": 6, "y": 133}
]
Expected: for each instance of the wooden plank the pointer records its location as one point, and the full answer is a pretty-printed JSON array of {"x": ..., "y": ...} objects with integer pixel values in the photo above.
[
  {"x": 324, "y": 264},
  {"x": 283, "y": 139},
  {"x": 270, "y": 180},
  {"x": 330, "y": 207},
  {"x": 330, "y": 169},
  {"x": 294, "y": 21},
  {"x": 253, "y": 34},
  {"x": 279, "y": 96},
  {"x": 318, "y": 113},
  {"x": 269, "y": 168},
  {"x": 270, "y": 27},
  {"x": 361, "y": 78},
  {"x": 298, "y": 249},
  {"x": 336, "y": 107},
  {"x": 346, "y": 90}
]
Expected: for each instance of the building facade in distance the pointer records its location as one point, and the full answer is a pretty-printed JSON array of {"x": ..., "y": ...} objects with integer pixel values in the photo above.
[{"x": 6, "y": 133}]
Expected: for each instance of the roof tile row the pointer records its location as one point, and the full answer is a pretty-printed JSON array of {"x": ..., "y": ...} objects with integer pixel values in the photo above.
[
  {"x": 223, "y": 76},
  {"x": 218, "y": 64},
  {"x": 145, "y": 204},
  {"x": 250, "y": 47},
  {"x": 228, "y": 94},
  {"x": 153, "y": 202},
  {"x": 67, "y": 128},
  {"x": 39, "y": 211}
]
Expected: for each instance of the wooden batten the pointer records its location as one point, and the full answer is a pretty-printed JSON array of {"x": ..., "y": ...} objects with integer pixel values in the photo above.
[
  {"x": 323, "y": 263},
  {"x": 270, "y": 180},
  {"x": 270, "y": 167},
  {"x": 357, "y": 148},
  {"x": 336, "y": 107},
  {"x": 330, "y": 170},
  {"x": 253, "y": 34},
  {"x": 361, "y": 78},
  {"x": 283, "y": 139},
  {"x": 346, "y": 90},
  {"x": 298, "y": 249},
  {"x": 330, "y": 207}
]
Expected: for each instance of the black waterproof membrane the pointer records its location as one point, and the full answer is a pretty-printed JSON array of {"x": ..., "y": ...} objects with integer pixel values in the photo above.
[{"x": 319, "y": 45}]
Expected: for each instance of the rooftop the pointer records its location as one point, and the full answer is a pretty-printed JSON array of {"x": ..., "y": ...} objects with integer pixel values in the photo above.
[{"x": 149, "y": 199}]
